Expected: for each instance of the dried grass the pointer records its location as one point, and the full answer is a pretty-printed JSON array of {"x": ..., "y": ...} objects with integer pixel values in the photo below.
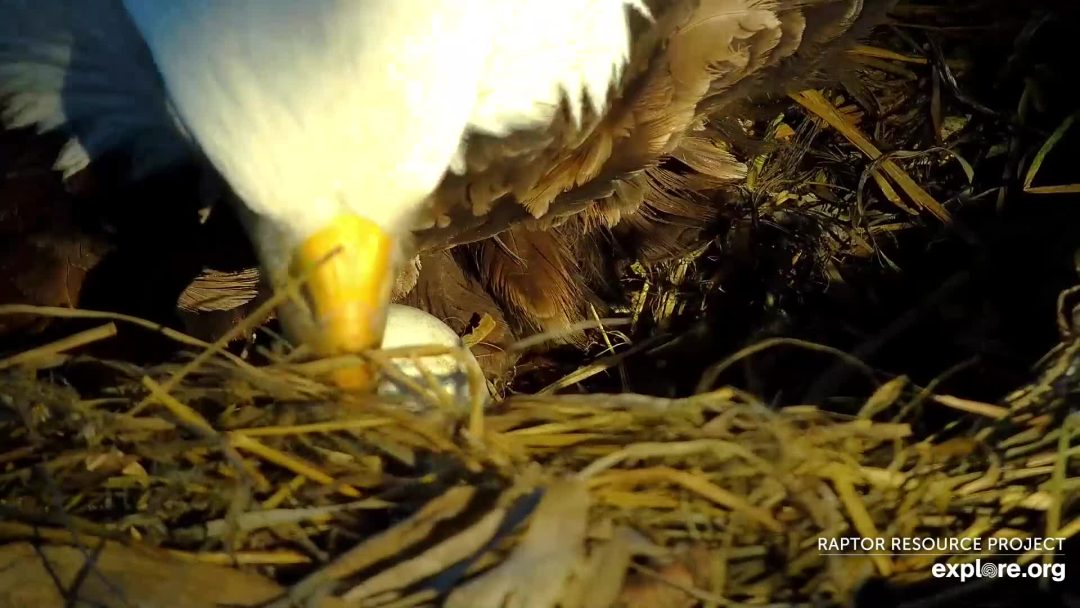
[{"x": 224, "y": 469}]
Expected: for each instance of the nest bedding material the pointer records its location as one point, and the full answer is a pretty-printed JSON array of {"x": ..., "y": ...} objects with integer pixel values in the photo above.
[{"x": 244, "y": 485}]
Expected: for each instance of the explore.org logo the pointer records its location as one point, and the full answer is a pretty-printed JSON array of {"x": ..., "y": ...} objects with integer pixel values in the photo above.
[
  {"x": 1013, "y": 553},
  {"x": 981, "y": 569}
]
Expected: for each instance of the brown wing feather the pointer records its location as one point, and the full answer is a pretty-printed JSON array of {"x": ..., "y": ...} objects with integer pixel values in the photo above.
[
  {"x": 815, "y": 33},
  {"x": 693, "y": 59},
  {"x": 697, "y": 58},
  {"x": 535, "y": 276}
]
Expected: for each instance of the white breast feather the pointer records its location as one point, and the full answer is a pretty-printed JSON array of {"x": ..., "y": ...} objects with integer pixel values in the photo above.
[
  {"x": 310, "y": 109},
  {"x": 549, "y": 49}
]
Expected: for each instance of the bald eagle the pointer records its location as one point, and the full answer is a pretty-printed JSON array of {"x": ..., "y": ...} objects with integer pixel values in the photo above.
[{"x": 357, "y": 134}]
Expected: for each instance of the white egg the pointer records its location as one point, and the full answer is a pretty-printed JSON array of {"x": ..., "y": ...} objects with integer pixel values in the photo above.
[{"x": 408, "y": 326}]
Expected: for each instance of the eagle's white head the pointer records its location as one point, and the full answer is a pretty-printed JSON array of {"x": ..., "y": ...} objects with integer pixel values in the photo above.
[{"x": 334, "y": 120}]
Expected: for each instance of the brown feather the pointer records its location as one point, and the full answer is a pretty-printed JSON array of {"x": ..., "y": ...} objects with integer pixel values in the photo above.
[
  {"x": 559, "y": 202},
  {"x": 821, "y": 30},
  {"x": 692, "y": 52},
  {"x": 533, "y": 274},
  {"x": 215, "y": 290},
  {"x": 708, "y": 157}
]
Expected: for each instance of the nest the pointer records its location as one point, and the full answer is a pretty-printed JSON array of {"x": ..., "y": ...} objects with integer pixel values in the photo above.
[
  {"x": 213, "y": 481},
  {"x": 244, "y": 485}
]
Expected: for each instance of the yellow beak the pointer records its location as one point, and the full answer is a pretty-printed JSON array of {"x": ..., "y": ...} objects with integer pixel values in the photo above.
[{"x": 348, "y": 266}]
